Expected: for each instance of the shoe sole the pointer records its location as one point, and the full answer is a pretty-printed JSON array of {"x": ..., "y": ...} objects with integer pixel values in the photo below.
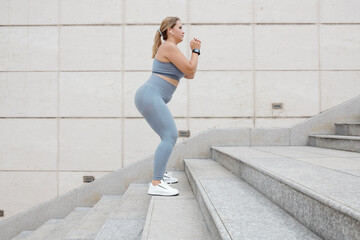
[
  {"x": 172, "y": 182},
  {"x": 162, "y": 195}
]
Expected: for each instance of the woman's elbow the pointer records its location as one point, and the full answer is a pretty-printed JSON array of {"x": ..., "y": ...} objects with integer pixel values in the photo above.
[{"x": 190, "y": 71}]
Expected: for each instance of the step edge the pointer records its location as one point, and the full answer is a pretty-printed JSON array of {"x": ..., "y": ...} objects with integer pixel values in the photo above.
[
  {"x": 339, "y": 137},
  {"x": 145, "y": 232}
]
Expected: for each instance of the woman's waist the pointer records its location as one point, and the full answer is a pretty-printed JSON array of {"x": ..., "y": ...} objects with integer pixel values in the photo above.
[{"x": 161, "y": 84}]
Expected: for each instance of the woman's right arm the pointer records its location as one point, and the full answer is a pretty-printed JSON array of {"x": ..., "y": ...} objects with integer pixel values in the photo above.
[{"x": 174, "y": 55}]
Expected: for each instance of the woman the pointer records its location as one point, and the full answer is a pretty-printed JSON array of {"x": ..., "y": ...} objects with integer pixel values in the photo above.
[{"x": 169, "y": 65}]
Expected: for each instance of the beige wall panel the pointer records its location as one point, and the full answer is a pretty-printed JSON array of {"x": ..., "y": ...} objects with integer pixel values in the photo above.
[
  {"x": 338, "y": 87},
  {"x": 4, "y": 48},
  {"x": 224, "y": 47},
  {"x": 4, "y": 12},
  {"x": 198, "y": 125},
  {"x": 217, "y": 11},
  {"x": 90, "y": 144},
  {"x": 28, "y": 144},
  {"x": 90, "y": 48},
  {"x": 298, "y": 91},
  {"x": 33, "y": 48},
  {"x": 33, "y": 12},
  {"x": 139, "y": 41},
  {"x": 17, "y": 48},
  {"x": 28, "y": 94},
  {"x": 221, "y": 94},
  {"x": 27, "y": 189},
  {"x": 140, "y": 140},
  {"x": 154, "y": 11},
  {"x": 340, "y": 47},
  {"x": 284, "y": 11},
  {"x": 277, "y": 122},
  {"x": 71, "y": 180},
  {"x": 90, "y": 94},
  {"x": 286, "y": 47},
  {"x": 96, "y": 11},
  {"x": 339, "y": 11},
  {"x": 133, "y": 80},
  {"x": 43, "y": 48}
]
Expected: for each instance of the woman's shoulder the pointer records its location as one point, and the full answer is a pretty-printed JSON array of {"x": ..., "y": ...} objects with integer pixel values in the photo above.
[{"x": 164, "y": 50}]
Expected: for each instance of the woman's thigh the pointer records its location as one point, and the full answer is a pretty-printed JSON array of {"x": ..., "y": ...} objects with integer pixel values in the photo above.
[{"x": 160, "y": 118}]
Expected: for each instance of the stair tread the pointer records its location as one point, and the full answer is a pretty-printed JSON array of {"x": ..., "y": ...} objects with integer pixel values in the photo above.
[
  {"x": 128, "y": 218},
  {"x": 177, "y": 217},
  {"x": 22, "y": 235},
  {"x": 93, "y": 221},
  {"x": 244, "y": 212},
  {"x": 44, "y": 229},
  {"x": 344, "y": 137},
  {"x": 71, "y": 221},
  {"x": 304, "y": 168}
]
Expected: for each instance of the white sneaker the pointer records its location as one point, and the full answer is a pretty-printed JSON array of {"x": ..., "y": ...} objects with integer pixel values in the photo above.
[
  {"x": 162, "y": 189},
  {"x": 169, "y": 180}
]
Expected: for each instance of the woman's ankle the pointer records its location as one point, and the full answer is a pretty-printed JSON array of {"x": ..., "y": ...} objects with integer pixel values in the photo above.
[{"x": 156, "y": 182}]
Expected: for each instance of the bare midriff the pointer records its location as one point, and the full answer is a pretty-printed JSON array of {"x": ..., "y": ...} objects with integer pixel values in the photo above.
[{"x": 170, "y": 80}]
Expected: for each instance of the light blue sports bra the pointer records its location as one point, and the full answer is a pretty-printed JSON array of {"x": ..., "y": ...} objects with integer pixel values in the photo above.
[{"x": 167, "y": 69}]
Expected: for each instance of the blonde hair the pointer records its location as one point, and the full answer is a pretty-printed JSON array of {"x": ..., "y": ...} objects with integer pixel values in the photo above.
[{"x": 168, "y": 22}]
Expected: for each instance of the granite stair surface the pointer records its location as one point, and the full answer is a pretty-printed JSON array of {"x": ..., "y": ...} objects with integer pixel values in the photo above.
[
  {"x": 93, "y": 221},
  {"x": 128, "y": 218},
  {"x": 347, "y": 138},
  {"x": 235, "y": 210},
  {"x": 176, "y": 217},
  {"x": 22, "y": 235},
  {"x": 319, "y": 187},
  {"x": 56, "y": 229},
  {"x": 290, "y": 192}
]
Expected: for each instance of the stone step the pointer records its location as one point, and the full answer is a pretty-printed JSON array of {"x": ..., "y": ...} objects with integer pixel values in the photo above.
[
  {"x": 70, "y": 223},
  {"x": 55, "y": 229},
  {"x": 298, "y": 179},
  {"x": 43, "y": 231},
  {"x": 177, "y": 217},
  {"x": 235, "y": 210},
  {"x": 23, "y": 235},
  {"x": 347, "y": 129},
  {"x": 93, "y": 221},
  {"x": 128, "y": 218},
  {"x": 339, "y": 142}
]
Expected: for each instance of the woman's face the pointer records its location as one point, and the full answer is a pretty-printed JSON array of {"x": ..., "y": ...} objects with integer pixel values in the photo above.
[{"x": 177, "y": 31}]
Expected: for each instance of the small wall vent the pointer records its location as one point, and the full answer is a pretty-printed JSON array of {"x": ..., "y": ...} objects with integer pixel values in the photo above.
[
  {"x": 184, "y": 133},
  {"x": 88, "y": 179},
  {"x": 277, "y": 106}
]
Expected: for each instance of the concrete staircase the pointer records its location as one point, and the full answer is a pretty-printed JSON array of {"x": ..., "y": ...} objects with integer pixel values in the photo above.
[{"x": 272, "y": 192}]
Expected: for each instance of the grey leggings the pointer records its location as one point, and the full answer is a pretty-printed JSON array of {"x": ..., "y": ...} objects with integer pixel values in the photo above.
[{"x": 151, "y": 99}]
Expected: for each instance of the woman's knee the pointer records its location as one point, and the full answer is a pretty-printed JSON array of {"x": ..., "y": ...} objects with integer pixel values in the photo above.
[{"x": 171, "y": 137}]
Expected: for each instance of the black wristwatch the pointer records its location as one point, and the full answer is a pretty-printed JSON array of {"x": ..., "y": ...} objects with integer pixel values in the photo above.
[{"x": 195, "y": 50}]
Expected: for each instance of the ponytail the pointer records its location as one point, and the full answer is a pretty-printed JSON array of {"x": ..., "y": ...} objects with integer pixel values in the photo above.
[{"x": 157, "y": 43}]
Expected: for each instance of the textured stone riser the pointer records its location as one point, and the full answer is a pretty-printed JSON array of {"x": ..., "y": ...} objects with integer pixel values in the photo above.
[
  {"x": 345, "y": 129},
  {"x": 338, "y": 144},
  {"x": 325, "y": 221}
]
